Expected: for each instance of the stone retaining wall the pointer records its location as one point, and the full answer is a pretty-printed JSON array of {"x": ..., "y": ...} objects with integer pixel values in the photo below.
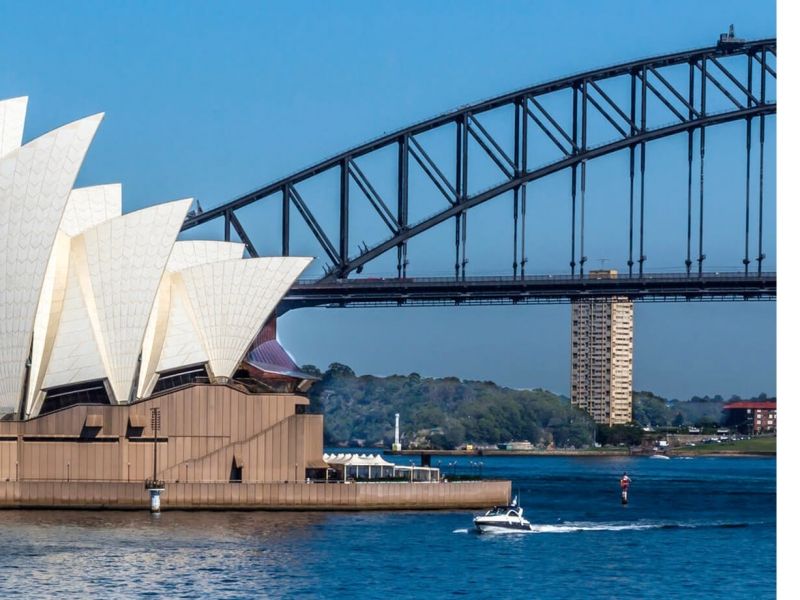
[{"x": 256, "y": 496}]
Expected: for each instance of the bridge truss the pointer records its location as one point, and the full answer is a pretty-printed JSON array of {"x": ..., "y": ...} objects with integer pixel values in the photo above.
[
  {"x": 677, "y": 84},
  {"x": 540, "y": 289}
]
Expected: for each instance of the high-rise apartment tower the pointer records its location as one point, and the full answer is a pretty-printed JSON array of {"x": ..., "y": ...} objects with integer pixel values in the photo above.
[{"x": 602, "y": 356}]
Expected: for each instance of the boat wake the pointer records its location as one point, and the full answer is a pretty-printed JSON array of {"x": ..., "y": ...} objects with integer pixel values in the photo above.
[
  {"x": 576, "y": 527},
  {"x": 579, "y": 526}
]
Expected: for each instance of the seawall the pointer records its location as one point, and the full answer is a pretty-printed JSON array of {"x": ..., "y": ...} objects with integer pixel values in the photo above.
[{"x": 255, "y": 496}]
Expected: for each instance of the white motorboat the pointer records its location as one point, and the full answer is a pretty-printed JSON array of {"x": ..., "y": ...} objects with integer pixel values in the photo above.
[{"x": 503, "y": 519}]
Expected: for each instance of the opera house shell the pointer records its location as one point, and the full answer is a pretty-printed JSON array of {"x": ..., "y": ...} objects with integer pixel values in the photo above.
[
  {"x": 105, "y": 315},
  {"x": 100, "y": 306}
]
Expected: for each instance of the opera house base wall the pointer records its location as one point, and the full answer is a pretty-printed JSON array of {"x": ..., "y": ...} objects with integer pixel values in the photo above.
[
  {"x": 208, "y": 433},
  {"x": 217, "y": 447},
  {"x": 256, "y": 496}
]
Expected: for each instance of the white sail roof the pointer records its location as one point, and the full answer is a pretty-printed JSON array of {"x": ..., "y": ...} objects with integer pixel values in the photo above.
[
  {"x": 126, "y": 258},
  {"x": 86, "y": 207},
  {"x": 48, "y": 313},
  {"x": 76, "y": 355},
  {"x": 171, "y": 340},
  {"x": 189, "y": 253},
  {"x": 35, "y": 182},
  {"x": 12, "y": 123},
  {"x": 90, "y": 206},
  {"x": 182, "y": 343},
  {"x": 231, "y": 300}
]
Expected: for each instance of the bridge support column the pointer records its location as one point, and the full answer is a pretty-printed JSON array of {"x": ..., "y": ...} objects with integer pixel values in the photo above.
[
  {"x": 285, "y": 221},
  {"x": 763, "y": 96},
  {"x": 700, "y": 256},
  {"x": 402, "y": 203},
  {"x": 749, "y": 121},
  {"x": 642, "y": 163}
]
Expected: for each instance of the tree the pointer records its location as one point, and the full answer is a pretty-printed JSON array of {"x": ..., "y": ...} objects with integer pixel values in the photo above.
[
  {"x": 649, "y": 409},
  {"x": 619, "y": 434},
  {"x": 363, "y": 407},
  {"x": 340, "y": 370},
  {"x": 454, "y": 435},
  {"x": 311, "y": 370},
  {"x": 707, "y": 421}
]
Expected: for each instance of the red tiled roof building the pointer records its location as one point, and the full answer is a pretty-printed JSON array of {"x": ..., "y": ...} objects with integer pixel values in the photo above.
[{"x": 753, "y": 417}]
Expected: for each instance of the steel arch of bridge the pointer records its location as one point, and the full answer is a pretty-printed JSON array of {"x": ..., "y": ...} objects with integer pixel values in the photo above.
[{"x": 706, "y": 70}]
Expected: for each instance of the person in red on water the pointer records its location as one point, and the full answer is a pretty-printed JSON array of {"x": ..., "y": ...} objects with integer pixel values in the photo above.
[{"x": 625, "y": 482}]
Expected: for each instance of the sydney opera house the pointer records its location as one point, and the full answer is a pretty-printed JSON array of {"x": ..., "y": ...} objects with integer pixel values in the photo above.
[{"x": 127, "y": 354}]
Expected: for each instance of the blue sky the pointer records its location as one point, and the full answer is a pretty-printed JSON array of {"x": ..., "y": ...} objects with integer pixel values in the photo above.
[{"x": 209, "y": 100}]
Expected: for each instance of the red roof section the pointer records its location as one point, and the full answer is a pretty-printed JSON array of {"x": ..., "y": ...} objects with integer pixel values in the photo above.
[
  {"x": 754, "y": 405},
  {"x": 269, "y": 356}
]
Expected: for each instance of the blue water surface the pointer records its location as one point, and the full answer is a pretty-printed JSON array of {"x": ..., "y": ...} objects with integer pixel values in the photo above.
[{"x": 694, "y": 528}]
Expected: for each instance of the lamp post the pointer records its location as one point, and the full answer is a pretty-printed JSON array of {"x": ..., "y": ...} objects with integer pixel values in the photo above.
[
  {"x": 155, "y": 486},
  {"x": 155, "y": 423}
]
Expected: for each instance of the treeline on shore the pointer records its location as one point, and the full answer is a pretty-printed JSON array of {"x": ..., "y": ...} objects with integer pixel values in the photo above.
[{"x": 448, "y": 412}]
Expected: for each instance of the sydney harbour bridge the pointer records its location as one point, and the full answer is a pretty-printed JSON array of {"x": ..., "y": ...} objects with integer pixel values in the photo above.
[{"x": 631, "y": 105}]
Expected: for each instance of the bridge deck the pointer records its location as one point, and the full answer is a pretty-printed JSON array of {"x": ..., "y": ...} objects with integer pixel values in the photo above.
[{"x": 537, "y": 289}]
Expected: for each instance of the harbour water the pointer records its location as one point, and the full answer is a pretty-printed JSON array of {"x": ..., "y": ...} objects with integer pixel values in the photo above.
[{"x": 694, "y": 528}]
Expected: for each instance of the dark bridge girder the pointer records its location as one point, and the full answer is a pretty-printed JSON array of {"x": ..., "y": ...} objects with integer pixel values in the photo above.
[
  {"x": 540, "y": 289},
  {"x": 744, "y": 101}
]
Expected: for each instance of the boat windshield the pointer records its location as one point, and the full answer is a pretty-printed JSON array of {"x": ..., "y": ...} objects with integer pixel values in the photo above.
[{"x": 501, "y": 510}]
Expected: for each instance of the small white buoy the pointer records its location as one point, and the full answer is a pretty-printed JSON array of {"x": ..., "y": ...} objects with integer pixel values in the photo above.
[{"x": 155, "y": 499}]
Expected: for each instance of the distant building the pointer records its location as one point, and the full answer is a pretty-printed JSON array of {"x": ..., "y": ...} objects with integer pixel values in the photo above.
[
  {"x": 523, "y": 445},
  {"x": 602, "y": 356},
  {"x": 752, "y": 417}
]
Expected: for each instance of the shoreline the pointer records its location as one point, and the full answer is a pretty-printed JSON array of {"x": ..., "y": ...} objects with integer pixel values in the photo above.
[
  {"x": 578, "y": 453},
  {"x": 543, "y": 453},
  {"x": 723, "y": 454}
]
